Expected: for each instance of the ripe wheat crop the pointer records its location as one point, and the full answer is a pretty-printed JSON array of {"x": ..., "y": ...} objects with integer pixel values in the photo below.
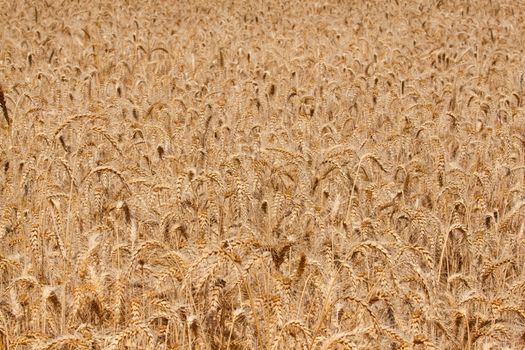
[{"x": 262, "y": 174}]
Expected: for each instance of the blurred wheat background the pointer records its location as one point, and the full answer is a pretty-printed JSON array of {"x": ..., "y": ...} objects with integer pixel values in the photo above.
[{"x": 262, "y": 175}]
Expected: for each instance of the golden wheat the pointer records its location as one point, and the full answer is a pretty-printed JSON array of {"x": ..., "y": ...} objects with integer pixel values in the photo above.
[{"x": 262, "y": 175}]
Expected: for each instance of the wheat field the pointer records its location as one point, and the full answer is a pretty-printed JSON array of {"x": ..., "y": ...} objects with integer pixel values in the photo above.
[{"x": 262, "y": 175}]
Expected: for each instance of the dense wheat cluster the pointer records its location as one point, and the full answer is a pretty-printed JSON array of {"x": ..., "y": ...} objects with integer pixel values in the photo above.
[{"x": 262, "y": 175}]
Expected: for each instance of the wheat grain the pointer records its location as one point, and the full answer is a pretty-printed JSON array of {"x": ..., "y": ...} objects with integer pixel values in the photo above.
[{"x": 199, "y": 178}]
